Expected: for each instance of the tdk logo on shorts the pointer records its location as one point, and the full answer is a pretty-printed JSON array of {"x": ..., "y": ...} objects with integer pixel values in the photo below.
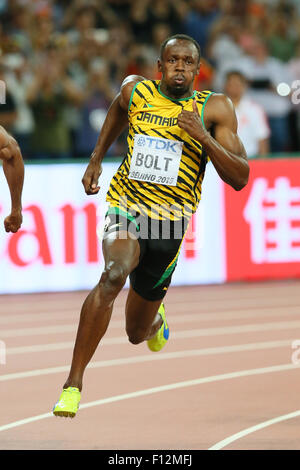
[{"x": 157, "y": 144}]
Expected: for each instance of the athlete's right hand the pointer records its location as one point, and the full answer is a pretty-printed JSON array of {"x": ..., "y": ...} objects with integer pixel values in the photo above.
[
  {"x": 91, "y": 176},
  {"x": 13, "y": 221}
]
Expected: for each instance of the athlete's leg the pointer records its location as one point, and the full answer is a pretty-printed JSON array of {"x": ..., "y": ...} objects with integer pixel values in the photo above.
[
  {"x": 142, "y": 319},
  {"x": 121, "y": 256}
]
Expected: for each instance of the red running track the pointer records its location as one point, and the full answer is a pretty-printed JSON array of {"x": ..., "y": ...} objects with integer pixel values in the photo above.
[{"x": 228, "y": 377}]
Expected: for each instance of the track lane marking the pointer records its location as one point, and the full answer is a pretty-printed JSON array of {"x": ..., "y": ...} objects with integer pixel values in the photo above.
[
  {"x": 199, "y": 332},
  {"x": 151, "y": 357},
  {"x": 13, "y": 333},
  {"x": 159, "y": 389},
  {"x": 242, "y": 312},
  {"x": 234, "y": 298},
  {"x": 239, "y": 435}
]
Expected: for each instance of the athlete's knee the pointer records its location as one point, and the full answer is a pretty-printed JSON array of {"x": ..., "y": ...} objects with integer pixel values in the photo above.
[
  {"x": 114, "y": 275},
  {"x": 136, "y": 335}
]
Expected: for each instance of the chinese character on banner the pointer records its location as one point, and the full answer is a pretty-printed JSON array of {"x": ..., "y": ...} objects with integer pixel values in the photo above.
[
  {"x": 271, "y": 213},
  {"x": 263, "y": 223}
]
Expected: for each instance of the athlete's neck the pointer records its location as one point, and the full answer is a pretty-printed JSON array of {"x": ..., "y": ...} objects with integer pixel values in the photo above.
[{"x": 174, "y": 96}]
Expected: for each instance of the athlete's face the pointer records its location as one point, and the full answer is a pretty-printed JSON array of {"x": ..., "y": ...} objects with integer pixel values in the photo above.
[{"x": 179, "y": 66}]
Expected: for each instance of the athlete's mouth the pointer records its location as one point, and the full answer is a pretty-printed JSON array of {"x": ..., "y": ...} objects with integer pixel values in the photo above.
[{"x": 179, "y": 79}]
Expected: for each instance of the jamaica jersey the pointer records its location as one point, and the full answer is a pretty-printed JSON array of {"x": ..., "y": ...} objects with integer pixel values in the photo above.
[{"x": 162, "y": 173}]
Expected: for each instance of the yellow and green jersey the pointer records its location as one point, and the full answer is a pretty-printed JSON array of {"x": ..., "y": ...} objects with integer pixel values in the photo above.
[{"x": 162, "y": 173}]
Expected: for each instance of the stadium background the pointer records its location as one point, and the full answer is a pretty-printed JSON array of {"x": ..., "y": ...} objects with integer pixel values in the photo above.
[{"x": 63, "y": 62}]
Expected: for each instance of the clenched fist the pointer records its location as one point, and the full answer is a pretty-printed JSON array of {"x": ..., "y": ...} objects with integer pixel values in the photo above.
[{"x": 13, "y": 222}]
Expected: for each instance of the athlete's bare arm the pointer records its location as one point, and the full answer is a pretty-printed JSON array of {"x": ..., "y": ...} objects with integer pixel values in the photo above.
[
  {"x": 115, "y": 122},
  {"x": 225, "y": 149},
  {"x": 13, "y": 168}
]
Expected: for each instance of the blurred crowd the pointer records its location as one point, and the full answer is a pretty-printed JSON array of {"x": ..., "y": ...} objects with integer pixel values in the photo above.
[{"x": 63, "y": 62}]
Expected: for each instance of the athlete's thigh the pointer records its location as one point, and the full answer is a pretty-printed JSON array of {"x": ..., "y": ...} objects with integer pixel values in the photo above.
[
  {"x": 120, "y": 248},
  {"x": 140, "y": 313}
]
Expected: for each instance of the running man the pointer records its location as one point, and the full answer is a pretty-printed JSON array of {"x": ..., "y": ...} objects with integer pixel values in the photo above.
[
  {"x": 13, "y": 168},
  {"x": 172, "y": 131}
]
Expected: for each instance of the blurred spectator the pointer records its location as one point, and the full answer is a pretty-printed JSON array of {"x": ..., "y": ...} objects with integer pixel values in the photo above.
[
  {"x": 48, "y": 94},
  {"x": 294, "y": 69},
  {"x": 3, "y": 6},
  {"x": 99, "y": 95},
  {"x": 116, "y": 51},
  {"x": 160, "y": 32},
  {"x": 166, "y": 11},
  {"x": 199, "y": 19},
  {"x": 126, "y": 36},
  {"x": 281, "y": 41},
  {"x": 204, "y": 81},
  {"x": 253, "y": 128},
  {"x": 142, "y": 60},
  {"x": 8, "y": 110},
  {"x": 41, "y": 36},
  {"x": 18, "y": 79},
  {"x": 77, "y": 67},
  {"x": 264, "y": 73},
  {"x": 224, "y": 43},
  {"x": 81, "y": 16},
  {"x": 120, "y": 7},
  {"x": 20, "y": 30},
  {"x": 139, "y": 21},
  {"x": 294, "y": 63},
  {"x": 84, "y": 21}
]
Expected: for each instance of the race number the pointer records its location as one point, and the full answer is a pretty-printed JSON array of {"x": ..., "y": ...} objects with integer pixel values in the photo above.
[{"x": 155, "y": 160}]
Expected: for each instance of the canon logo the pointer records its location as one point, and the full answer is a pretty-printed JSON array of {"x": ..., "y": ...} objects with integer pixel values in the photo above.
[{"x": 42, "y": 235}]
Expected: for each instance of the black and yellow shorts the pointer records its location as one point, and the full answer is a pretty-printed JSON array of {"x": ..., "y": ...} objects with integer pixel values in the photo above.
[{"x": 160, "y": 243}]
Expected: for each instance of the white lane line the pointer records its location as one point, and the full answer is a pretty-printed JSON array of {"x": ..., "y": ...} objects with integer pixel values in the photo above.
[
  {"x": 7, "y": 311},
  {"x": 242, "y": 312},
  {"x": 65, "y": 314},
  {"x": 237, "y": 329},
  {"x": 271, "y": 326},
  {"x": 38, "y": 305},
  {"x": 151, "y": 357},
  {"x": 39, "y": 317},
  {"x": 162, "y": 388},
  {"x": 41, "y": 330},
  {"x": 257, "y": 427}
]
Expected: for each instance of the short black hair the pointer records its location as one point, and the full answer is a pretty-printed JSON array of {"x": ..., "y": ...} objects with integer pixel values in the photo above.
[{"x": 183, "y": 37}]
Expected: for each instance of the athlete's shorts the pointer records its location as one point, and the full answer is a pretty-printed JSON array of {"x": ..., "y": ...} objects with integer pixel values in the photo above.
[{"x": 160, "y": 243}]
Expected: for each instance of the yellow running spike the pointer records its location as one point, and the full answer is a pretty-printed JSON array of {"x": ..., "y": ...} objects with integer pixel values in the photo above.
[
  {"x": 159, "y": 340},
  {"x": 68, "y": 403}
]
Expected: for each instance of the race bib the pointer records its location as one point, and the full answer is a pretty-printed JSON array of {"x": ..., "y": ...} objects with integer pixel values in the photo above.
[{"x": 155, "y": 160}]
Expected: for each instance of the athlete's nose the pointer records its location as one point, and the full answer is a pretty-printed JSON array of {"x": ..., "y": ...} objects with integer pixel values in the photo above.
[{"x": 180, "y": 65}]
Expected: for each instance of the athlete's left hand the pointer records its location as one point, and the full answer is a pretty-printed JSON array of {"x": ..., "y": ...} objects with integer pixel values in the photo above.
[{"x": 191, "y": 122}]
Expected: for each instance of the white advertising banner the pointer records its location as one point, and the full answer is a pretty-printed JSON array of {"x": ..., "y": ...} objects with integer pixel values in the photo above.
[
  {"x": 57, "y": 248},
  {"x": 202, "y": 259}
]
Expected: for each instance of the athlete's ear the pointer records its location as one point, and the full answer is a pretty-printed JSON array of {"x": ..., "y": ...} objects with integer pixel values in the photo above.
[{"x": 159, "y": 65}]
